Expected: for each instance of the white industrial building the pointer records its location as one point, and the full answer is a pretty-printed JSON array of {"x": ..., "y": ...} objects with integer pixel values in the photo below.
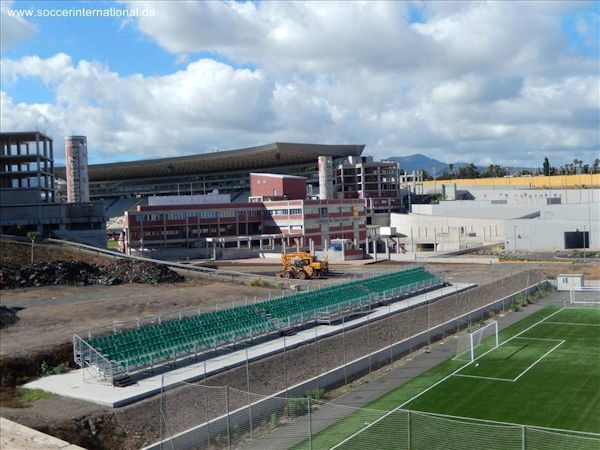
[{"x": 520, "y": 219}]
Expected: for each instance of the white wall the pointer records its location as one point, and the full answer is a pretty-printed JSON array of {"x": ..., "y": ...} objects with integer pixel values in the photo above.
[
  {"x": 476, "y": 209},
  {"x": 547, "y": 235},
  {"x": 448, "y": 233}
]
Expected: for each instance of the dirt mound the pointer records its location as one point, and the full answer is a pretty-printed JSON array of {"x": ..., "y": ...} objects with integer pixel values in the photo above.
[
  {"x": 82, "y": 273},
  {"x": 140, "y": 272},
  {"x": 8, "y": 316},
  {"x": 19, "y": 254}
]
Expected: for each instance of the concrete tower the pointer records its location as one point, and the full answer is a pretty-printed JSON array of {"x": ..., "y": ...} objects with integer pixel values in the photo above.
[
  {"x": 325, "y": 177},
  {"x": 78, "y": 186}
]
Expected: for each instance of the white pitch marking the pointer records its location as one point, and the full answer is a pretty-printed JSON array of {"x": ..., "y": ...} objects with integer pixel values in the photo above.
[
  {"x": 482, "y": 377},
  {"x": 574, "y": 323},
  {"x": 539, "y": 359}
]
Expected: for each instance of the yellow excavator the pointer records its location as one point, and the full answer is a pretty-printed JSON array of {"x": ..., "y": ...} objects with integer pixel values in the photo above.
[{"x": 302, "y": 265}]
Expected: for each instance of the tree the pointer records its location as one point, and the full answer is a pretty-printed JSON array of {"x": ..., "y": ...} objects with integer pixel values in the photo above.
[
  {"x": 450, "y": 169},
  {"x": 546, "y": 166},
  {"x": 468, "y": 171},
  {"x": 596, "y": 166},
  {"x": 34, "y": 236},
  {"x": 494, "y": 171},
  {"x": 426, "y": 175}
]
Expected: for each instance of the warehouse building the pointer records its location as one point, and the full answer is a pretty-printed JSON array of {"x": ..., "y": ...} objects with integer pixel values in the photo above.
[{"x": 518, "y": 219}]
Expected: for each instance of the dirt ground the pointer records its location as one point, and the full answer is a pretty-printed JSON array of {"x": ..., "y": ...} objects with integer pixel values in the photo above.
[
  {"x": 19, "y": 253},
  {"x": 51, "y": 315}
]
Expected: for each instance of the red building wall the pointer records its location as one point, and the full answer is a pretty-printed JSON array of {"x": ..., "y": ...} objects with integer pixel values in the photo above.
[{"x": 266, "y": 185}]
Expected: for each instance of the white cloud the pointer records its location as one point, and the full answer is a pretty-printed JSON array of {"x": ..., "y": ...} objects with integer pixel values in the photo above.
[
  {"x": 150, "y": 116},
  {"x": 48, "y": 70},
  {"x": 13, "y": 28}
]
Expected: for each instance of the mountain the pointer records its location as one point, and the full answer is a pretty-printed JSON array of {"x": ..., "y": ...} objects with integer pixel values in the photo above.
[{"x": 422, "y": 162}]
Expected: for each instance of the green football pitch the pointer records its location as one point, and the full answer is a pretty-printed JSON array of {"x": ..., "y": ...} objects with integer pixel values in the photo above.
[{"x": 545, "y": 374}]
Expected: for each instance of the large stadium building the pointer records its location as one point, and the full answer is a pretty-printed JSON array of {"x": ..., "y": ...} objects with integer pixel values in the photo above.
[{"x": 227, "y": 171}]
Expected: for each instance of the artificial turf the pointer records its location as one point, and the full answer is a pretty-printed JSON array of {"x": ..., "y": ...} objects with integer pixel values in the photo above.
[{"x": 545, "y": 373}]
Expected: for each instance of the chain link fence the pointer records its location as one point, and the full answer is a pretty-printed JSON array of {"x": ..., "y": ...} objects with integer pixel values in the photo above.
[{"x": 306, "y": 423}]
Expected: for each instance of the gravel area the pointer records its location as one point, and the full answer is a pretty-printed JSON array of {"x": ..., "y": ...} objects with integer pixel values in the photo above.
[{"x": 51, "y": 315}]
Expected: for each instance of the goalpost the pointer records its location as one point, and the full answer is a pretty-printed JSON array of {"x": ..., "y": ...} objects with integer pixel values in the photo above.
[
  {"x": 588, "y": 295},
  {"x": 466, "y": 344}
]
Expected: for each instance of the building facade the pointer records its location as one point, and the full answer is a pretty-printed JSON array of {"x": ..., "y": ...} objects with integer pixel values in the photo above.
[{"x": 273, "y": 225}]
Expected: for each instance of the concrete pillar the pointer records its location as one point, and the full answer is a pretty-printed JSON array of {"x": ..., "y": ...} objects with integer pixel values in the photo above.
[
  {"x": 214, "y": 250},
  {"x": 375, "y": 248},
  {"x": 367, "y": 244},
  {"x": 387, "y": 248}
]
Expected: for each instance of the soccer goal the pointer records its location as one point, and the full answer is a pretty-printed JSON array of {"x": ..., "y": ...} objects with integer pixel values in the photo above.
[
  {"x": 468, "y": 346},
  {"x": 588, "y": 295}
]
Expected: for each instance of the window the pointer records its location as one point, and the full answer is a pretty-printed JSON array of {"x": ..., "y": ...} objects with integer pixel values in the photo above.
[
  {"x": 323, "y": 212},
  {"x": 208, "y": 214},
  {"x": 577, "y": 239},
  {"x": 296, "y": 211}
]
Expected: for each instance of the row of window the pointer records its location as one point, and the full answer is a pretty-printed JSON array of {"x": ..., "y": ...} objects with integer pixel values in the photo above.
[{"x": 228, "y": 213}]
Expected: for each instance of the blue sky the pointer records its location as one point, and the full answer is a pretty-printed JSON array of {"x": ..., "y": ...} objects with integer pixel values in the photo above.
[{"x": 402, "y": 78}]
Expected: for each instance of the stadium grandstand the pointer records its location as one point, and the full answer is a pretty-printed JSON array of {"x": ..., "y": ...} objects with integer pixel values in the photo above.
[
  {"x": 140, "y": 348},
  {"x": 227, "y": 171}
]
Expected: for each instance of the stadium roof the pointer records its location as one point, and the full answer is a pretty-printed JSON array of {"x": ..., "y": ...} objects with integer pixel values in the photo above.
[{"x": 245, "y": 159}]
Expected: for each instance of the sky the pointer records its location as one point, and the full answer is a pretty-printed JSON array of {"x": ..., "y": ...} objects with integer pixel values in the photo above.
[{"x": 484, "y": 82}]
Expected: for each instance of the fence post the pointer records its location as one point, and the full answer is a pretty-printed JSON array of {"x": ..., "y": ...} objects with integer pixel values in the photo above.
[
  {"x": 309, "y": 425},
  {"x": 228, "y": 419},
  {"x": 161, "y": 416},
  {"x": 249, "y": 396},
  {"x": 206, "y": 407},
  {"x": 523, "y": 444},
  {"x": 408, "y": 429}
]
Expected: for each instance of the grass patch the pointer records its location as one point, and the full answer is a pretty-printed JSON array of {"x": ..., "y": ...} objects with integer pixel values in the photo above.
[
  {"x": 259, "y": 282},
  {"x": 32, "y": 395},
  {"x": 21, "y": 397}
]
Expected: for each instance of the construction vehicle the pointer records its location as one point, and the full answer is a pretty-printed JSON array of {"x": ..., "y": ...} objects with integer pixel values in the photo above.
[{"x": 301, "y": 265}]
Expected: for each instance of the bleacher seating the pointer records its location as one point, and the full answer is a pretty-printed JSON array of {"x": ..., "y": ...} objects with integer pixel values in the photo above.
[{"x": 149, "y": 345}]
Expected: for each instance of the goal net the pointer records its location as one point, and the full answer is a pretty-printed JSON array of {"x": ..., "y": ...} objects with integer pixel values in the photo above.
[
  {"x": 589, "y": 295},
  {"x": 470, "y": 346}
]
